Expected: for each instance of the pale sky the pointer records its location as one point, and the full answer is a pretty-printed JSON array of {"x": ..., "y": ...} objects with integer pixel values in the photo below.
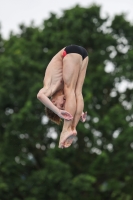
[{"x": 15, "y": 12}]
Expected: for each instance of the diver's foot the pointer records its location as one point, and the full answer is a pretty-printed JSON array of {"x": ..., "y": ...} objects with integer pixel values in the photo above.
[{"x": 66, "y": 138}]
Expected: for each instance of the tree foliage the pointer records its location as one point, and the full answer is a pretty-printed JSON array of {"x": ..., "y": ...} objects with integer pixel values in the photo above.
[{"x": 99, "y": 165}]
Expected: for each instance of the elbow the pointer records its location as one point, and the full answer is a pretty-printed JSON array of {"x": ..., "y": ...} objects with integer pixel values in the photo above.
[
  {"x": 42, "y": 94},
  {"x": 39, "y": 95}
]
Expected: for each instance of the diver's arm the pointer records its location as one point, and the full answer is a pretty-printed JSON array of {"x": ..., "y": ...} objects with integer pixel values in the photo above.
[{"x": 43, "y": 97}]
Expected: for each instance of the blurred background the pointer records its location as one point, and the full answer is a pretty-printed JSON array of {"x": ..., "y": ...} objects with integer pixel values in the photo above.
[{"x": 99, "y": 165}]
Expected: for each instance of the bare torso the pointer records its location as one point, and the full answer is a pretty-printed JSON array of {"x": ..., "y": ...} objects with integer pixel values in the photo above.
[{"x": 53, "y": 78}]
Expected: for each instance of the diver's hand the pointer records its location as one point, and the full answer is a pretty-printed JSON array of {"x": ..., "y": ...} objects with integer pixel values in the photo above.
[
  {"x": 65, "y": 115},
  {"x": 83, "y": 117}
]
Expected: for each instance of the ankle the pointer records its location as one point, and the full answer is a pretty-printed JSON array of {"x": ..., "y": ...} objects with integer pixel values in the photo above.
[{"x": 67, "y": 129}]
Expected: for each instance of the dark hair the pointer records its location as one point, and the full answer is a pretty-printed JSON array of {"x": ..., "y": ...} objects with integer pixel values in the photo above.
[{"x": 52, "y": 116}]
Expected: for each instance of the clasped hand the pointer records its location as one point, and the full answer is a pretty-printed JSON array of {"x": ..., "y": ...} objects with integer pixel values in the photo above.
[{"x": 64, "y": 115}]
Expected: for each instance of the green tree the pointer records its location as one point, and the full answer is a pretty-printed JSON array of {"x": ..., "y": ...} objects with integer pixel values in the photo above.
[{"x": 99, "y": 165}]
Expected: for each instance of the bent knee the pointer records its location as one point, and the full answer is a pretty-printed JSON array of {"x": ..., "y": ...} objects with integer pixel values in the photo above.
[
  {"x": 69, "y": 90},
  {"x": 78, "y": 93}
]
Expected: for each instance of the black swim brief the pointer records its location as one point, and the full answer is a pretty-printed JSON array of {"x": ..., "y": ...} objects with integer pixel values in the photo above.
[{"x": 75, "y": 49}]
